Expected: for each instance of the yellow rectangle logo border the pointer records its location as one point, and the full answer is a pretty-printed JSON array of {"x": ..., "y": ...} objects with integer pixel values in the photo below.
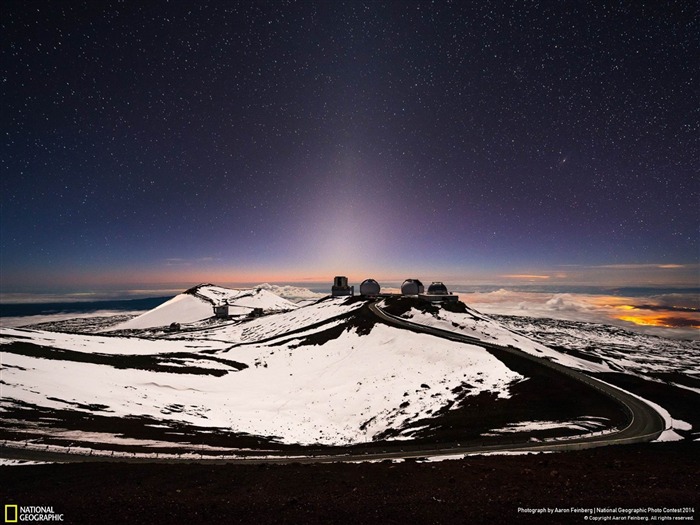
[{"x": 7, "y": 517}]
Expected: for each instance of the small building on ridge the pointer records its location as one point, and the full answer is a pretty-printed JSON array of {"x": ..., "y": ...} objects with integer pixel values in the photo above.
[
  {"x": 437, "y": 292},
  {"x": 340, "y": 287},
  {"x": 221, "y": 311}
]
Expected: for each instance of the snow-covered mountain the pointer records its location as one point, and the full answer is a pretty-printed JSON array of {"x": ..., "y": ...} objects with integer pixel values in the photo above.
[
  {"x": 328, "y": 373},
  {"x": 196, "y": 304},
  {"x": 292, "y": 293}
]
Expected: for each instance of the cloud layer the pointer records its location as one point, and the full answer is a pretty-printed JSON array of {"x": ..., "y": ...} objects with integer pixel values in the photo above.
[{"x": 668, "y": 315}]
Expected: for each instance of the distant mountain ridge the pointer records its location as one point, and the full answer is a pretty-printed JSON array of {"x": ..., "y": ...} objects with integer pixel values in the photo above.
[
  {"x": 292, "y": 293},
  {"x": 196, "y": 304}
]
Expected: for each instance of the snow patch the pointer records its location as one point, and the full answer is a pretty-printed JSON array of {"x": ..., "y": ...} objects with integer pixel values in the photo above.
[{"x": 5, "y": 462}]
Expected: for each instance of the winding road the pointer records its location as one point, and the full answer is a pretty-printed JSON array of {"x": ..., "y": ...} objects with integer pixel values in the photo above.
[{"x": 645, "y": 423}]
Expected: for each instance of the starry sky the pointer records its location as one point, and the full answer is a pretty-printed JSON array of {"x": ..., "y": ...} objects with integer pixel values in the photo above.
[{"x": 180, "y": 141}]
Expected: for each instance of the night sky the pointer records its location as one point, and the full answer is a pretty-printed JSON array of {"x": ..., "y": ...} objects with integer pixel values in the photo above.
[{"x": 148, "y": 142}]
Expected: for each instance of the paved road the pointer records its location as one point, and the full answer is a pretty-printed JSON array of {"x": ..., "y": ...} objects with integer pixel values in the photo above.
[{"x": 644, "y": 423}]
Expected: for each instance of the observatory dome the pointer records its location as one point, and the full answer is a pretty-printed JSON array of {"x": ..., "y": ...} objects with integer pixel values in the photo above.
[
  {"x": 412, "y": 287},
  {"x": 369, "y": 287},
  {"x": 437, "y": 288}
]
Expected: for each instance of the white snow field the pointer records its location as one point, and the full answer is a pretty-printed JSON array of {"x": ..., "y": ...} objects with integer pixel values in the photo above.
[
  {"x": 345, "y": 390},
  {"x": 312, "y": 374}
]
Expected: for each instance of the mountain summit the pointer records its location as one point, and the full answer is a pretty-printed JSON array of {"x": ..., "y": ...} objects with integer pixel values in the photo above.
[{"x": 197, "y": 304}]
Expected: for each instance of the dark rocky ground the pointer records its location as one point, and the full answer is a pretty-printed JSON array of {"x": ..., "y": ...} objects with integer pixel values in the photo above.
[{"x": 477, "y": 489}]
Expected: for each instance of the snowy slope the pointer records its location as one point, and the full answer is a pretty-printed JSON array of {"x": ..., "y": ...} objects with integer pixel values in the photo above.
[
  {"x": 180, "y": 309},
  {"x": 197, "y": 304},
  {"x": 92, "y": 344},
  {"x": 317, "y": 386},
  {"x": 474, "y": 324},
  {"x": 246, "y": 298},
  {"x": 279, "y": 324}
]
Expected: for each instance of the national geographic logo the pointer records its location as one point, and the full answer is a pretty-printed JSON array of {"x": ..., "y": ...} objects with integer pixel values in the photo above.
[{"x": 17, "y": 514}]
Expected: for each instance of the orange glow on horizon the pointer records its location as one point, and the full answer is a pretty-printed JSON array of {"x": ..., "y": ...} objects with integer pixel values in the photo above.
[
  {"x": 642, "y": 321},
  {"x": 646, "y": 316},
  {"x": 656, "y": 321}
]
